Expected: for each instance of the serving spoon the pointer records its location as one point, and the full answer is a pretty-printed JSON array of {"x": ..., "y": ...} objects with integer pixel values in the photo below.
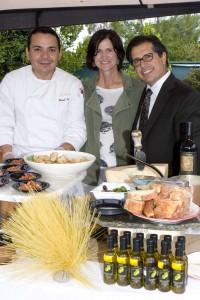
[{"x": 145, "y": 163}]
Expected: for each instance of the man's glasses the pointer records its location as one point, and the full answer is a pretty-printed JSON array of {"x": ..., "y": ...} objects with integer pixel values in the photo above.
[{"x": 137, "y": 61}]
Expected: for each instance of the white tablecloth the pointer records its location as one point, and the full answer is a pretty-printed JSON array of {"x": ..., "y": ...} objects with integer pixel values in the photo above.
[
  {"x": 42, "y": 288},
  {"x": 59, "y": 185}
]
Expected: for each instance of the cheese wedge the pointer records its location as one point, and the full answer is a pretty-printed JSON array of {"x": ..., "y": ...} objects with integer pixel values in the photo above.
[{"x": 127, "y": 173}]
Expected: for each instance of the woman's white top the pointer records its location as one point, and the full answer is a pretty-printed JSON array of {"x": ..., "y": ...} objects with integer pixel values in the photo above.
[{"x": 108, "y": 99}]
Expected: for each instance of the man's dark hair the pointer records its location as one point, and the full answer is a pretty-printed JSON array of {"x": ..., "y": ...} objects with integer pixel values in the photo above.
[
  {"x": 158, "y": 47},
  {"x": 44, "y": 30},
  {"x": 94, "y": 42}
]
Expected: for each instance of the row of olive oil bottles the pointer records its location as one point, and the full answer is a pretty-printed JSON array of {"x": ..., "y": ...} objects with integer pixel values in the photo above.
[{"x": 130, "y": 264}]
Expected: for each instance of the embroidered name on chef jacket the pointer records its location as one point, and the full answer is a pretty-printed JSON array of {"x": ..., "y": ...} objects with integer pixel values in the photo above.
[{"x": 64, "y": 97}]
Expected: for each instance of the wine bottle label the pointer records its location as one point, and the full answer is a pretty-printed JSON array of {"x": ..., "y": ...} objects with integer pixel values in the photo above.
[
  {"x": 122, "y": 260},
  {"x": 108, "y": 258},
  {"x": 177, "y": 266},
  {"x": 188, "y": 162},
  {"x": 122, "y": 272},
  {"x": 109, "y": 270},
  {"x": 133, "y": 262},
  {"x": 178, "y": 279},
  {"x": 164, "y": 277},
  {"x": 150, "y": 275},
  {"x": 136, "y": 274}
]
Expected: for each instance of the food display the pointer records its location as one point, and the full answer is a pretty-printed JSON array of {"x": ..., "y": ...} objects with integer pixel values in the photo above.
[
  {"x": 160, "y": 201},
  {"x": 61, "y": 163},
  {"x": 13, "y": 161},
  {"x": 108, "y": 190},
  {"x": 13, "y": 169},
  {"x": 54, "y": 158},
  {"x": 30, "y": 185}
]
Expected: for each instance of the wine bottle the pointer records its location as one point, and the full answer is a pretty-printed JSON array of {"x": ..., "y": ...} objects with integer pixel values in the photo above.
[
  {"x": 164, "y": 268},
  {"x": 178, "y": 270},
  {"x": 110, "y": 263},
  {"x": 136, "y": 266},
  {"x": 188, "y": 153},
  {"x": 123, "y": 263}
]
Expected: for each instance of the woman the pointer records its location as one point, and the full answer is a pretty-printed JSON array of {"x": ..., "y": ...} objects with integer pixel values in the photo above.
[{"x": 111, "y": 101}]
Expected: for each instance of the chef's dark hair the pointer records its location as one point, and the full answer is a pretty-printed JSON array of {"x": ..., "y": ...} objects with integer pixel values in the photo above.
[
  {"x": 158, "y": 46},
  {"x": 94, "y": 42},
  {"x": 44, "y": 30}
]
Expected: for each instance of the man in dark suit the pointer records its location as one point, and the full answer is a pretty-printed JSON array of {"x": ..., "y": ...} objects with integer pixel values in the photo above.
[{"x": 171, "y": 103}]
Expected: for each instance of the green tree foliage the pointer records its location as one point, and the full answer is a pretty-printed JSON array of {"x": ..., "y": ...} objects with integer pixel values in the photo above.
[
  {"x": 13, "y": 44},
  {"x": 12, "y": 54},
  {"x": 180, "y": 34},
  {"x": 193, "y": 79}
]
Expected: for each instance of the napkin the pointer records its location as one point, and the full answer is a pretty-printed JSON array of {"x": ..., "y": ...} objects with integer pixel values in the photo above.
[{"x": 194, "y": 265}]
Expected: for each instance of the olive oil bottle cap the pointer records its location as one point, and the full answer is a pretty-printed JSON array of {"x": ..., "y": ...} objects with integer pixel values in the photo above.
[
  {"x": 136, "y": 245},
  {"x": 164, "y": 247},
  {"x": 140, "y": 236},
  {"x": 150, "y": 246},
  {"x": 127, "y": 234},
  {"x": 179, "y": 249},
  {"x": 181, "y": 239},
  {"x": 114, "y": 233},
  {"x": 168, "y": 238},
  {"x": 110, "y": 241},
  {"x": 123, "y": 243}
]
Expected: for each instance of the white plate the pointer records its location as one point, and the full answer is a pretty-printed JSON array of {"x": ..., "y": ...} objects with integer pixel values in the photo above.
[
  {"x": 194, "y": 211},
  {"x": 100, "y": 194}
]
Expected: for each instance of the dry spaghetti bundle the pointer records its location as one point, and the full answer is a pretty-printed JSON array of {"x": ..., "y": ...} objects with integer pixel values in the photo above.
[{"x": 49, "y": 234}]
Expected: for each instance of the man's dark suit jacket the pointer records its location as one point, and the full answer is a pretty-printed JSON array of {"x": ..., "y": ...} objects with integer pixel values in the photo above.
[{"x": 175, "y": 103}]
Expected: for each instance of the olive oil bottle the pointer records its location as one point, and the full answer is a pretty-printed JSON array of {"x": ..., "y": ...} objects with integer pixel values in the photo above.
[
  {"x": 178, "y": 270},
  {"x": 123, "y": 274},
  {"x": 127, "y": 234},
  {"x": 110, "y": 262},
  {"x": 168, "y": 238},
  {"x": 164, "y": 268},
  {"x": 154, "y": 237},
  {"x": 136, "y": 266},
  {"x": 150, "y": 267},
  {"x": 114, "y": 232},
  {"x": 140, "y": 236},
  {"x": 181, "y": 238}
]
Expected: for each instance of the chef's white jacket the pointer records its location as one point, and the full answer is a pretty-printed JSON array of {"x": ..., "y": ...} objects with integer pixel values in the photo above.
[{"x": 37, "y": 115}]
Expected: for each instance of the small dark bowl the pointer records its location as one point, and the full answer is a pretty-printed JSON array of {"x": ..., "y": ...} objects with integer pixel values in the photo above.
[
  {"x": 4, "y": 181},
  {"x": 24, "y": 167},
  {"x": 43, "y": 184},
  {"x": 3, "y": 173},
  {"x": 16, "y": 176},
  {"x": 14, "y": 161}
]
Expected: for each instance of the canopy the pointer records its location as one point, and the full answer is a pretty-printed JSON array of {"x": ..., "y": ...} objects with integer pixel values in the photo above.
[{"x": 15, "y": 14}]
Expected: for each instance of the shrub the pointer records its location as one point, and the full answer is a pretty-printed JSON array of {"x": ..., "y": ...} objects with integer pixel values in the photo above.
[{"x": 193, "y": 79}]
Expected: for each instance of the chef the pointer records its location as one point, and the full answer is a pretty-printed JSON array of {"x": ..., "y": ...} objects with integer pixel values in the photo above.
[{"x": 41, "y": 106}]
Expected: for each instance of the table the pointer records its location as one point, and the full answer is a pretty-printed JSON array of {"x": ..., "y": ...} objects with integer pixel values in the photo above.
[
  {"x": 58, "y": 185},
  {"x": 45, "y": 287}
]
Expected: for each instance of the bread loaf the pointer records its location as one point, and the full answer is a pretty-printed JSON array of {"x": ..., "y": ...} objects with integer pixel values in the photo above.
[{"x": 162, "y": 202}]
